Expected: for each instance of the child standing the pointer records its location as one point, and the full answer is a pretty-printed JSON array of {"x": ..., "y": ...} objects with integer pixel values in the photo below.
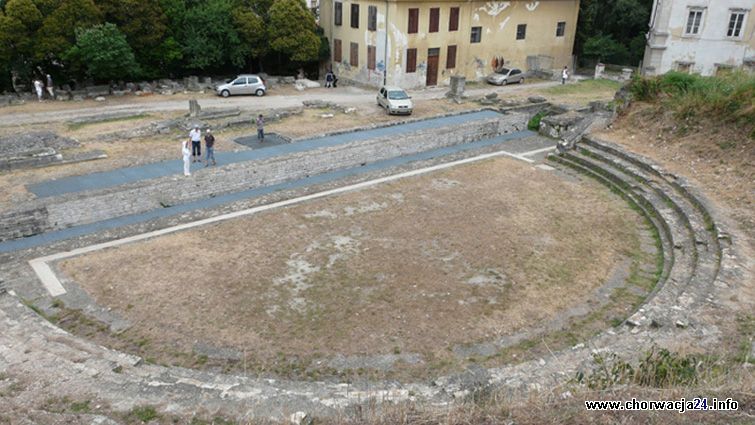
[{"x": 186, "y": 152}]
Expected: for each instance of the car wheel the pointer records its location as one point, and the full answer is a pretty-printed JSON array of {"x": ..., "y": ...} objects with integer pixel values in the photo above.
[
  {"x": 225, "y": 93},
  {"x": 521, "y": 81},
  {"x": 504, "y": 82},
  {"x": 260, "y": 92}
]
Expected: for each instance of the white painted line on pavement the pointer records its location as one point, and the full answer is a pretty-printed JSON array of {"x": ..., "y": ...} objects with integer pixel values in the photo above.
[
  {"x": 55, "y": 287},
  {"x": 537, "y": 151},
  {"x": 47, "y": 276}
]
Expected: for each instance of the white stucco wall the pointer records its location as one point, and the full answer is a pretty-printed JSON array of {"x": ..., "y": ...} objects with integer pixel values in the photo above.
[{"x": 706, "y": 51}]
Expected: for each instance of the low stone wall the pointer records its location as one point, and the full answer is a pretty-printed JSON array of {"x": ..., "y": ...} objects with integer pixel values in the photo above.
[
  {"x": 97, "y": 205},
  {"x": 23, "y": 223}
]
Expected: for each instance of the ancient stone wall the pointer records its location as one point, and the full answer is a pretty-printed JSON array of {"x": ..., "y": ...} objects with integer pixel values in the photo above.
[{"x": 97, "y": 205}]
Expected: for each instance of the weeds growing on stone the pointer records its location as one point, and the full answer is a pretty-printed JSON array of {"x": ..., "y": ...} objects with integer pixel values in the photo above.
[
  {"x": 657, "y": 368},
  {"x": 141, "y": 414}
]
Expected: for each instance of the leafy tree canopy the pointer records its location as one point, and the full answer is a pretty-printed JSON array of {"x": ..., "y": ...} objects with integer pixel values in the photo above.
[
  {"x": 292, "y": 31},
  {"x": 104, "y": 53}
]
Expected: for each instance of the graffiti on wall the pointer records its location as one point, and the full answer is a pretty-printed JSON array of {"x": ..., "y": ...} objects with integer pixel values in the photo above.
[{"x": 494, "y": 8}]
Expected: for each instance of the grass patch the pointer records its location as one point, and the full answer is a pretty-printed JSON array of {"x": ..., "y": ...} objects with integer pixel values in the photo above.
[
  {"x": 79, "y": 125},
  {"x": 141, "y": 414},
  {"x": 81, "y": 407},
  {"x": 534, "y": 123},
  {"x": 728, "y": 98},
  {"x": 52, "y": 319},
  {"x": 583, "y": 87},
  {"x": 658, "y": 368}
]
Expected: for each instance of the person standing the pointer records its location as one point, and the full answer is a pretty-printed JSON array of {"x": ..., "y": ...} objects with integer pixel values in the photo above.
[
  {"x": 564, "y": 75},
  {"x": 329, "y": 79},
  {"x": 260, "y": 128},
  {"x": 209, "y": 144},
  {"x": 186, "y": 153},
  {"x": 38, "y": 86},
  {"x": 195, "y": 136},
  {"x": 50, "y": 87}
]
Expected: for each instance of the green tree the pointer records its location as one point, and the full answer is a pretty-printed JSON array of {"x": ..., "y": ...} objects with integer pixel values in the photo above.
[
  {"x": 251, "y": 30},
  {"x": 208, "y": 37},
  {"x": 17, "y": 28},
  {"x": 607, "y": 22},
  {"x": 104, "y": 53},
  {"x": 58, "y": 31},
  {"x": 292, "y": 31},
  {"x": 145, "y": 25},
  {"x": 604, "y": 48}
]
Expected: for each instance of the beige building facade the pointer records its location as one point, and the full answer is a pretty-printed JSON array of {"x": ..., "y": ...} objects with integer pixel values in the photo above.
[{"x": 413, "y": 43}]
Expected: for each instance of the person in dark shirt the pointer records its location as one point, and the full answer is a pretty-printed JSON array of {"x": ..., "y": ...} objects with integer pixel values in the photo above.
[{"x": 209, "y": 143}]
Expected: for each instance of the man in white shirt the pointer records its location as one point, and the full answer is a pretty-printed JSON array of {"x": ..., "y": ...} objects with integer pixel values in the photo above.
[
  {"x": 196, "y": 144},
  {"x": 564, "y": 75}
]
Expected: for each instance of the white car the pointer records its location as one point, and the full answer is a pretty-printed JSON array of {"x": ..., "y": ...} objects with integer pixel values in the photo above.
[
  {"x": 394, "y": 100},
  {"x": 243, "y": 84},
  {"x": 505, "y": 76}
]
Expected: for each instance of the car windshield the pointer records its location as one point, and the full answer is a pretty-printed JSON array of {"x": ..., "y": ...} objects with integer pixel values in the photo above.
[
  {"x": 397, "y": 95},
  {"x": 503, "y": 71}
]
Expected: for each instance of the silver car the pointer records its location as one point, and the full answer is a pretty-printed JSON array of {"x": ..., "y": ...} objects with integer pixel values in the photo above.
[
  {"x": 243, "y": 84},
  {"x": 505, "y": 76},
  {"x": 395, "y": 100}
]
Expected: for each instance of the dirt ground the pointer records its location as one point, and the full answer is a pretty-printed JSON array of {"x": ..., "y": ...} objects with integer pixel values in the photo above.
[{"x": 415, "y": 266}]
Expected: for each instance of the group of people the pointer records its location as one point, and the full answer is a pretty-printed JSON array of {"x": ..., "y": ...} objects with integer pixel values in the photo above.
[
  {"x": 191, "y": 149},
  {"x": 40, "y": 87}
]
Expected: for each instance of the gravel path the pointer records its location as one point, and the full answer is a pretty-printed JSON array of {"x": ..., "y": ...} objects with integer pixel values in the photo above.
[{"x": 345, "y": 96}]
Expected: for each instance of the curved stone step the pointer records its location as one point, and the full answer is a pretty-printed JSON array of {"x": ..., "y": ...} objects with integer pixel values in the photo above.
[
  {"x": 682, "y": 238},
  {"x": 706, "y": 238}
]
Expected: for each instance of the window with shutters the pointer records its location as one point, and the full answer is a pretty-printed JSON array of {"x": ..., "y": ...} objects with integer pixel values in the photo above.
[
  {"x": 372, "y": 18},
  {"x": 336, "y": 50},
  {"x": 476, "y": 35},
  {"x": 521, "y": 31},
  {"x": 451, "y": 57},
  {"x": 354, "y": 16},
  {"x": 411, "y": 60},
  {"x": 338, "y": 10},
  {"x": 560, "y": 29},
  {"x": 453, "y": 19},
  {"x": 371, "y": 57},
  {"x": 413, "y": 21},
  {"x": 354, "y": 57},
  {"x": 434, "y": 19}
]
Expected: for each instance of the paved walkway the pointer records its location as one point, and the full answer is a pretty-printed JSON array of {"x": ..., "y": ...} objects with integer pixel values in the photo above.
[
  {"x": 516, "y": 141},
  {"x": 121, "y": 176}
]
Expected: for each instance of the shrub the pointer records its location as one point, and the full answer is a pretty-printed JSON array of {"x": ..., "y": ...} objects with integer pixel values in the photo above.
[
  {"x": 658, "y": 368},
  {"x": 534, "y": 123},
  {"x": 729, "y": 98},
  {"x": 104, "y": 52}
]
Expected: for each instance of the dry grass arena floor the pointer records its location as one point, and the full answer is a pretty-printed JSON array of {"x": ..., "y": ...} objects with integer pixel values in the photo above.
[{"x": 404, "y": 271}]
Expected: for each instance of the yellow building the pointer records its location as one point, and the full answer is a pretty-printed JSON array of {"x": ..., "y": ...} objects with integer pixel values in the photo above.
[{"x": 415, "y": 43}]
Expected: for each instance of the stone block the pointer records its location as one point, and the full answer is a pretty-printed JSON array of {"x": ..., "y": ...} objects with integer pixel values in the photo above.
[{"x": 97, "y": 91}]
